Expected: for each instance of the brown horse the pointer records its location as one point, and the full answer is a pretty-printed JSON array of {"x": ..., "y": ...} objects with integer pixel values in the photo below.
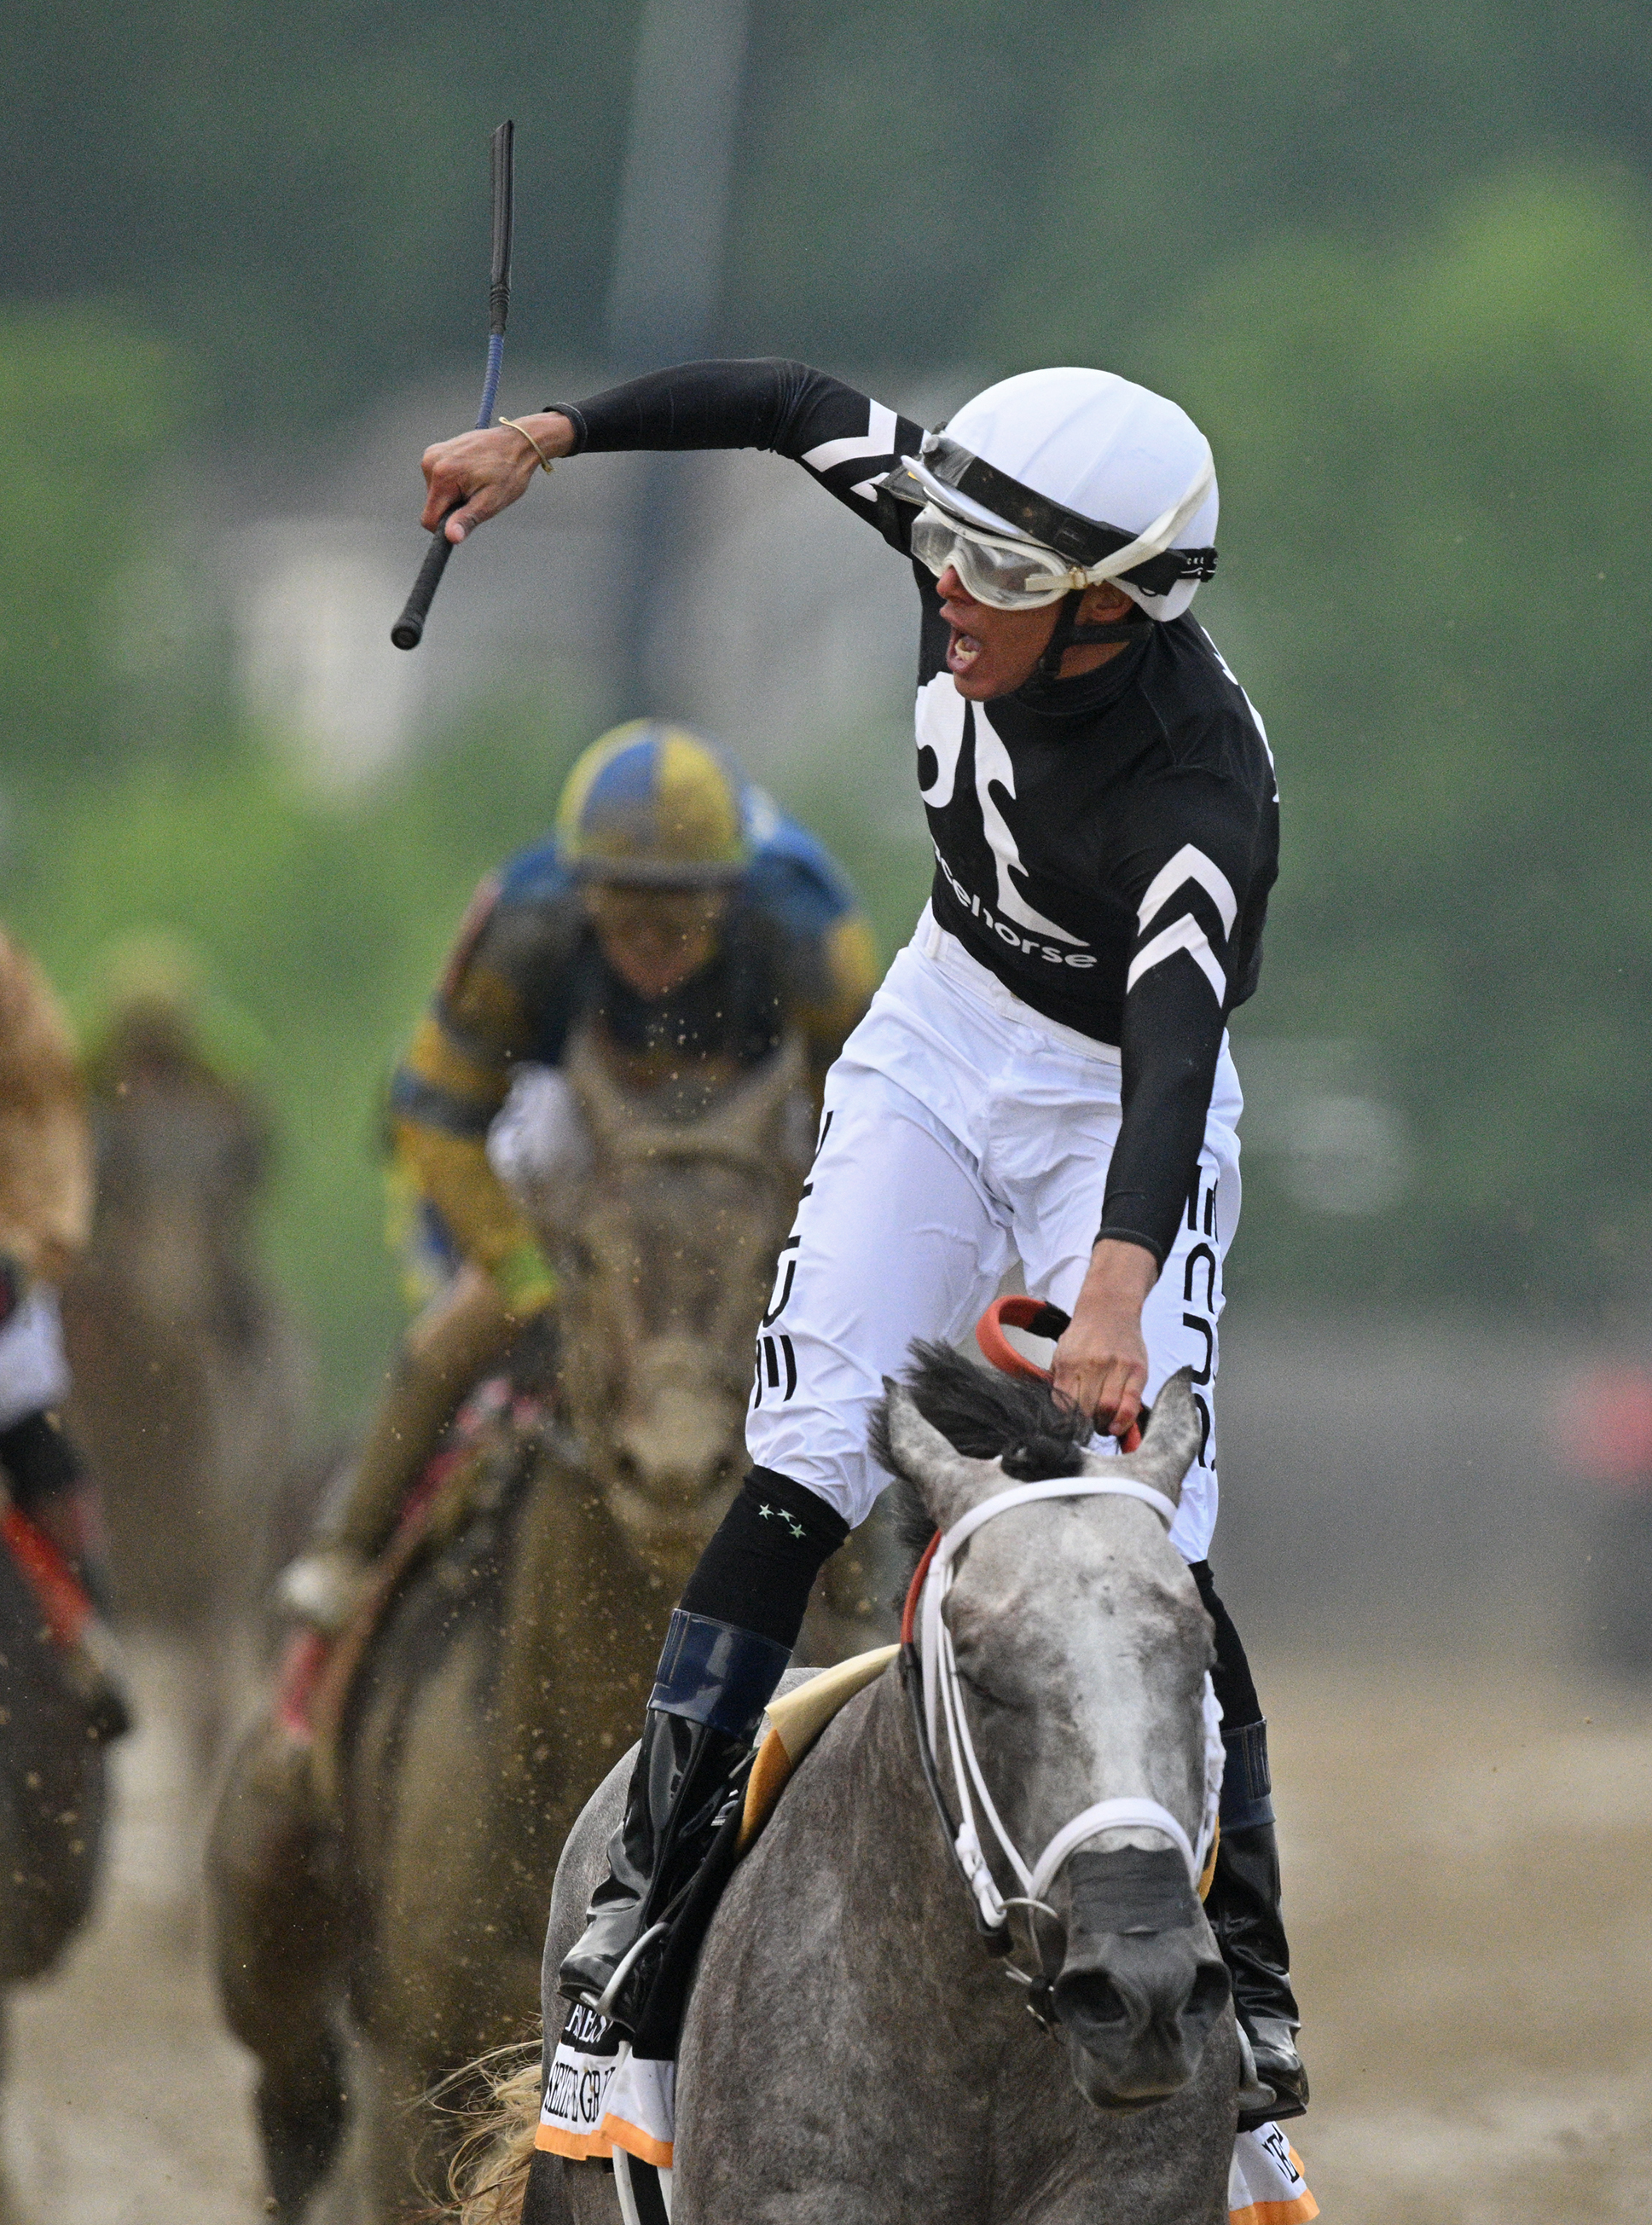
[
  {"x": 53, "y": 1788},
  {"x": 512, "y": 1661},
  {"x": 191, "y": 1384}
]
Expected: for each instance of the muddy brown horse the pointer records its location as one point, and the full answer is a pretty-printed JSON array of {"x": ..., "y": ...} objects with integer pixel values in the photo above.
[
  {"x": 191, "y": 1384},
  {"x": 507, "y": 1671}
]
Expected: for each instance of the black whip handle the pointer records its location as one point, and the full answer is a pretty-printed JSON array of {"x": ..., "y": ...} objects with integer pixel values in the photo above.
[{"x": 409, "y": 630}]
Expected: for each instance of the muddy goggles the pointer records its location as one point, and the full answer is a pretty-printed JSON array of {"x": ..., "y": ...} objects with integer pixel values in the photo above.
[{"x": 1063, "y": 550}]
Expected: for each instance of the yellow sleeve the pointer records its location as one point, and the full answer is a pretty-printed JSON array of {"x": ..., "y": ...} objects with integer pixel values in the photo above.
[
  {"x": 443, "y": 1099},
  {"x": 456, "y": 1174}
]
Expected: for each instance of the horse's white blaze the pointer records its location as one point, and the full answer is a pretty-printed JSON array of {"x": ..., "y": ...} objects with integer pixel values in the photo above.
[{"x": 1111, "y": 1746}]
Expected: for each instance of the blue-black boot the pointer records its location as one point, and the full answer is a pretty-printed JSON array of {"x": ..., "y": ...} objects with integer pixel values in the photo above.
[
  {"x": 1243, "y": 1906},
  {"x": 711, "y": 1690}
]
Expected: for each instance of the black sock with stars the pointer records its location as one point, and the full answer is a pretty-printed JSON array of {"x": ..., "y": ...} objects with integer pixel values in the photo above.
[{"x": 759, "y": 1569}]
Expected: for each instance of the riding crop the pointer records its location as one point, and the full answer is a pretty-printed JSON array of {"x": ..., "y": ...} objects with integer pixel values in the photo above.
[{"x": 409, "y": 630}]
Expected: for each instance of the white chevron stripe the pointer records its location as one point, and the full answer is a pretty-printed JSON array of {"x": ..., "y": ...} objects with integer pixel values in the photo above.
[
  {"x": 1184, "y": 933},
  {"x": 1190, "y": 864},
  {"x": 878, "y": 440}
]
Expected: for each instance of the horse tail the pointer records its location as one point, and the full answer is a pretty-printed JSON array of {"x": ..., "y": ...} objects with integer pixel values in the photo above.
[{"x": 488, "y": 2175}]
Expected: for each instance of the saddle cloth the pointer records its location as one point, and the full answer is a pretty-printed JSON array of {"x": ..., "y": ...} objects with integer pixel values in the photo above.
[{"x": 603, "y": 2102}]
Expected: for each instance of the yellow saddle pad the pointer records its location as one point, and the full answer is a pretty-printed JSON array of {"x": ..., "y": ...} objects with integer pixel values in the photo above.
[{"x": 795, "y": 1719}]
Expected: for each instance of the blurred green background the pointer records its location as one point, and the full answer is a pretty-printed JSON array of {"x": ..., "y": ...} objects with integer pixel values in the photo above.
[{"x": 1397, "y": 261}]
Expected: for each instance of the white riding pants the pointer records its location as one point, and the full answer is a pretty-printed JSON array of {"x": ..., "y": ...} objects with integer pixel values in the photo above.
[{"x": 962, "y": 1129}]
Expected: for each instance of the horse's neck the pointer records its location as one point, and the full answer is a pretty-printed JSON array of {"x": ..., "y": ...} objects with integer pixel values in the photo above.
[{"x": 581, "y": 1633}]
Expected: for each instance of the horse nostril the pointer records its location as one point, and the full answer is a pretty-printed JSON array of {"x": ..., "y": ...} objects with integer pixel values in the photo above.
[
  {"x": 1210, "y": 1994},
  {"x": 625, "y": 1467},
  {"x": 1090, "y": 1998}
]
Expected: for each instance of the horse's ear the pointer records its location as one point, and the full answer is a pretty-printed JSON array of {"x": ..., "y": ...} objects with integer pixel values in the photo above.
[
  {"x": 947, "y": 1481},
  {"x": 1170, "y": 1446}
]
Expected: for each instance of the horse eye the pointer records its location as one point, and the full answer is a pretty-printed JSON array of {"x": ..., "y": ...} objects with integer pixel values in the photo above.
[{"x": 984, "y": 1693}]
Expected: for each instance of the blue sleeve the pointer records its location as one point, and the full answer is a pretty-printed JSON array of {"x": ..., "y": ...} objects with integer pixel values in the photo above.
[
  {"x": 535, "y": 875},
  {"x": 792, "y": 877}
]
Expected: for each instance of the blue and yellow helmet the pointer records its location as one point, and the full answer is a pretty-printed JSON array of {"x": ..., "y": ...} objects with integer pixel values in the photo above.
[{"x": 652, "y": 804}]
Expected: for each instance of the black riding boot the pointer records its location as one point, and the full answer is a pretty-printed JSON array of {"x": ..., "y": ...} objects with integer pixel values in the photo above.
[
  {"x": 1243, "y": 1907},
  {"x": 713, "y": 1682}
]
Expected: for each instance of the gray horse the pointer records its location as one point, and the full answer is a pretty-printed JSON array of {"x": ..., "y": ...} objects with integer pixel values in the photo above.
[{"x": 853, "y": 2055}]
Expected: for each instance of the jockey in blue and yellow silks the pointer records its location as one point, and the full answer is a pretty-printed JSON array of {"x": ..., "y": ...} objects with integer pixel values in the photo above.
[{"x": 678, "y": 908}]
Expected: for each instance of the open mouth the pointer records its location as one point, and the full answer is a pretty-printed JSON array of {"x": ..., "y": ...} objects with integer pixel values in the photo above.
[{"x": 962, "y": 650}]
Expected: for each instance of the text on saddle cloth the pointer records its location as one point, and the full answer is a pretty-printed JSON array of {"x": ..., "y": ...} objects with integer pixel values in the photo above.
[{"x": 1265, "y": 2185}]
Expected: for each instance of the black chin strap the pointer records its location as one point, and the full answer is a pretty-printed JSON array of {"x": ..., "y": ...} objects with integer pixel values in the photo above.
[{"x": 1068, "y": 634}]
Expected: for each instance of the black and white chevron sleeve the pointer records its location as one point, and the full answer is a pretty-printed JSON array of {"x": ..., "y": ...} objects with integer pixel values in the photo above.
[
  {"x": 841, "y": 437},
  {"x": 1191, "y": 858}
]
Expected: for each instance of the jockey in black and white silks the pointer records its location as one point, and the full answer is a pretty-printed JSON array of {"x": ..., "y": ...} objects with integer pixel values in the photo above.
[{"x": 1044, "y": 1072}]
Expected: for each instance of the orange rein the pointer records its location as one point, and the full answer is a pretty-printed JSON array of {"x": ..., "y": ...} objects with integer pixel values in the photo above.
[{"x": 1039, "y": 1318}]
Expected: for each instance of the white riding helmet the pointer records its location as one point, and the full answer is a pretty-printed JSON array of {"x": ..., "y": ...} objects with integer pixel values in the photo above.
[{"x": 1117, "y": 480}]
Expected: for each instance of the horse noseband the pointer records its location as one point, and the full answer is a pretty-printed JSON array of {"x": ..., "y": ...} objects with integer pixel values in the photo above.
[{"x": 1134, "y": 1889}]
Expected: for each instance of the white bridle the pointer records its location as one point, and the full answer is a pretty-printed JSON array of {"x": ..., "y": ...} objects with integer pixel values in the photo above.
[{"x": 943, "y": 1698}]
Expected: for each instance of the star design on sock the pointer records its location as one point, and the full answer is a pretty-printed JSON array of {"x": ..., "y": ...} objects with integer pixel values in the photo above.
[{"x": 765, "y": 1513}]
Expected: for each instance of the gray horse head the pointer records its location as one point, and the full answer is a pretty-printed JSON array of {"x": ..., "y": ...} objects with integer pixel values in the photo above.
[{"x": 1083, "y": 1648}]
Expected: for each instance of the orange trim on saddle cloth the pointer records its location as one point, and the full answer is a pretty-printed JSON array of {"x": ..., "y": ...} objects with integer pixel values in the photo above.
[
  {"x": 60, "y": 1595},
  {"x": 622, "y": 2134},
  {"x": 1297, "y": 2211},
  {"x": 578, "y": 2147}
]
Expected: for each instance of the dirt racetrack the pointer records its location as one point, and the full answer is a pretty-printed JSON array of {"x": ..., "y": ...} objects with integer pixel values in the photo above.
[{"x": 1467, "y": 1855}]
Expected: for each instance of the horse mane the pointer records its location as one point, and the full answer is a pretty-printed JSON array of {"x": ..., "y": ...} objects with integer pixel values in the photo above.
[{"x": 985, "y": 1416}]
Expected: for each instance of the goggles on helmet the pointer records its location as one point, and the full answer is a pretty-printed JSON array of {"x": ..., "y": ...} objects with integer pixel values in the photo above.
[
  {"x": 1070, "y": 552},
  {"x": 1010, "y": 575}
]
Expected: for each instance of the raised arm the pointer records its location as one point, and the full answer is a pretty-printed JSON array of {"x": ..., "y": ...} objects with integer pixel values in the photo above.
[{"x": 841, "y": 437}]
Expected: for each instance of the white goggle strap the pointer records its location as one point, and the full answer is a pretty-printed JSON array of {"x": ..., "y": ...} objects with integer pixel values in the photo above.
[
  {"x": 1055, "y": 1487},
  {"x": 942, "y": 1700},
  {"x": 972, "y": 1857},
  {"x": 1153, "y": 540}
]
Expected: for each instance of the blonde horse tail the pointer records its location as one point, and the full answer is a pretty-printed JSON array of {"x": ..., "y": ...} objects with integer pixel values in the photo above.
[{"x": 489, "y": 2173}]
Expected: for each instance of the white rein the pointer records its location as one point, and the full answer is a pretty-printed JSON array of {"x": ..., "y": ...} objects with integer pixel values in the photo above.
[{"x": 943, "y": 1699}]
